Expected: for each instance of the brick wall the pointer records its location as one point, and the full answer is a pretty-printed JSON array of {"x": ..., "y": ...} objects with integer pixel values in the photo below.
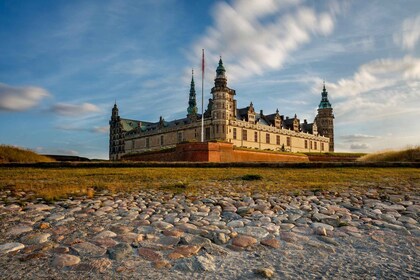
[{"x": 214, "y": 152}]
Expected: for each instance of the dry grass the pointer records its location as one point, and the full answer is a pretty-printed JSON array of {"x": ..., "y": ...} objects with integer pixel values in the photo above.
[
  {"x": 13, "y": 154},
  {"x": 53, "y": 184},
  {"x": 407, "y": 155}
]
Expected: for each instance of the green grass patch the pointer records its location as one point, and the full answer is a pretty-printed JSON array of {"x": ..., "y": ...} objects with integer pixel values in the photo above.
[
  {"x": 14, "y": 154},
  {"x": 251, "y": 177},
  {"x": 407, "y": 155},
  {"x": 58, "y": 183}
]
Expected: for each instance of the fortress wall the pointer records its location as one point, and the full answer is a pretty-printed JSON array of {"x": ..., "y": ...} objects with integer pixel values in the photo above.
[{"x": 214, "y": 152}]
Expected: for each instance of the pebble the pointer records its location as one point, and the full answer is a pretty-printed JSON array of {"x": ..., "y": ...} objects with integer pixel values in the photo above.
[
  {"x": 243, "y": 241},
  {"x": 265, "y": 272},
  {"x": 11, "y": 247},
  {"x": 120, "y": 251},
  {"x": 35, "y": 238},
  {"x": 256, "y": 232},
  {"x": 87, "y": 249},
  {"x": 65, "y": 260}
]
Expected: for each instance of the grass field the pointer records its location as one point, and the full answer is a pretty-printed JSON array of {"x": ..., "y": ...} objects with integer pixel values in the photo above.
[
  {"x": 53, "y": 184},
  {"x": 14, "y": 154}
]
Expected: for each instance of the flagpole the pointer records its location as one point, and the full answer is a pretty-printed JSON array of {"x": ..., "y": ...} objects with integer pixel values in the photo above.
[{"x": 202, "y": 98}]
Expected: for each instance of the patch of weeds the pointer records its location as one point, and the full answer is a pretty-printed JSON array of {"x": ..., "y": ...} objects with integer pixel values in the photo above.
[
  {"x": 297, "y": 192},
  {"x": 178, "y": 187},
  {"x": 251, "y": 177},
  {"x": 100, "y": 187}
]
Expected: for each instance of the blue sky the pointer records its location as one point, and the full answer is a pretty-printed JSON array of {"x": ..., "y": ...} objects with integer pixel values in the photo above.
[{"x": 63, "y": 63}]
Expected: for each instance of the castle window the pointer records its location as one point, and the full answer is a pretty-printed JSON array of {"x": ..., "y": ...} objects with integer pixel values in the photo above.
[
  {"x": 306, "y": 144},
  {"x": 223, "y": 128},
  {"x": 322, "y": 146},
  {"x": 234, "y": 133},
  {"x": 217, "y": 128},
  {"x": 161, "y": 140},
  {"x": 244, "y": 135},
  {"x": 289, "y": 141},
  {"x": 315, "y": 146},
  {"x": 310, "y": 145},
  {"x": 179, "y": 137},
  {"x": 256, "y": 136},
  {"x": 278, "y": 139},
  {"x": 267, "y": 138},
  {"x": 207, "y": 133},
  {"x": 147, "y": 143}
]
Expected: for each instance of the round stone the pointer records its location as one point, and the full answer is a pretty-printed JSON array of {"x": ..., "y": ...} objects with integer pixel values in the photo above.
[{"x": 65, "y": 260}]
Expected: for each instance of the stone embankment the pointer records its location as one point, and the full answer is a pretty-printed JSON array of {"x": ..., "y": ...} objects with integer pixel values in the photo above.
[{"x": 157, "y": 235}]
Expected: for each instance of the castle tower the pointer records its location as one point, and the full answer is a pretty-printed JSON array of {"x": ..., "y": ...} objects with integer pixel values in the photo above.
[
  {"x": 223, "y": 103},
  {"x": 116, "y": 141},
  {"x": 325, "y": 118},
  {"x": 192, "y": 102}
]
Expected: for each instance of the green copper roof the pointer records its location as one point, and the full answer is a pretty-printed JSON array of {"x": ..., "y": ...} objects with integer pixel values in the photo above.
[
  {"x": 192, "y": 103},
  {"x": 324, "y": 101},
  {"x": 220, "y": 69}
]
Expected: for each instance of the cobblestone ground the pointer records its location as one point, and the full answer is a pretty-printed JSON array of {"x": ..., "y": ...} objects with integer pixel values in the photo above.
[{"x": 158, "y": 235}]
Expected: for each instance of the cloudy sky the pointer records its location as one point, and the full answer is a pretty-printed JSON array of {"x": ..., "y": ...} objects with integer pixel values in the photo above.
[{"x": 64, "y": 63}]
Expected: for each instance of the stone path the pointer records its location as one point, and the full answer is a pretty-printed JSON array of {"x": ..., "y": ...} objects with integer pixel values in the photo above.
[{"x": 151, "y": 234}]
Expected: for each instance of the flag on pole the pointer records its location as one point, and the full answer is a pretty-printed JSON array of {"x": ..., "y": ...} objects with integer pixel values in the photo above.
[
  {"x": 202, "y": 63},
  {"x": 202, "y": 98}
]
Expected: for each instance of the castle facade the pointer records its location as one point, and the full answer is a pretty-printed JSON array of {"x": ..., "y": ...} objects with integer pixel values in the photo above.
[{"x": 223, "y": 121}]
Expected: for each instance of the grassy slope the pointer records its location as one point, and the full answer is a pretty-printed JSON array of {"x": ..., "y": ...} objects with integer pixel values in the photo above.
[
  {"x": 407, "y": 155},
  {"x": 13, "y": 154},
  {"x": 62, "y": 182}
]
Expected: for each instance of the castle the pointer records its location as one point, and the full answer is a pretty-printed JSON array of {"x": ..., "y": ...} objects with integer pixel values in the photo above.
[{"x": 223, "y": 121}]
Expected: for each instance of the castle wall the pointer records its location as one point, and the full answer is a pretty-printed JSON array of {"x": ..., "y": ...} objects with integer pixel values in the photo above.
[{"x": 214, "y": 152}]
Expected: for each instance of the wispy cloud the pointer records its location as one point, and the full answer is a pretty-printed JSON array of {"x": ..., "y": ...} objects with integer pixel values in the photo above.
[
  {"x": 95, "y": 129},
  {"x": 20, "y": 98},
  {"x": 357, "y": 137},
  {"x": 409, "y": 34},
  {"x": 260, "y": 35},
  {"x": 379, "y": 89},
  {"x": 359, "y": 146},
  {"x": 73, "y": 110},
  {"x": 56, "y": 151}
]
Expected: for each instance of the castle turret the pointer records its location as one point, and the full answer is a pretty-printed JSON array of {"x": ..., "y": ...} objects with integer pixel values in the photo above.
[
  {"x": 115, "y": 139},
  {"x": 192, "y": 102},
  {"x": 325, "y": 118},
  {"x": 223, "y": 103}
]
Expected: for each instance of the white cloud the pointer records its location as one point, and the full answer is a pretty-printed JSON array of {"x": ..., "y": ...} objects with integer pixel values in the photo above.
[
  {"x": 101, "y": 129},
  {"x": 256, "y": 36},
  {"x": 358, "y": 137},
  {"x": 359, "y": 146},
  {"x": 20, "y": 98},
  {"x": 379, "y": 89},
  {"x": 56, "y": 151},
  {"x": 67, "y": 109},
  {"x": 409, "y": 34}
]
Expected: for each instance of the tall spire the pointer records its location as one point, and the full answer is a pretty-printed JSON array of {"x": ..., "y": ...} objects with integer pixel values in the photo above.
[
  {"x": 324, "y": 101},
  {"x": 220, "y": 80},
  {"x": 192, "y": 102}
]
